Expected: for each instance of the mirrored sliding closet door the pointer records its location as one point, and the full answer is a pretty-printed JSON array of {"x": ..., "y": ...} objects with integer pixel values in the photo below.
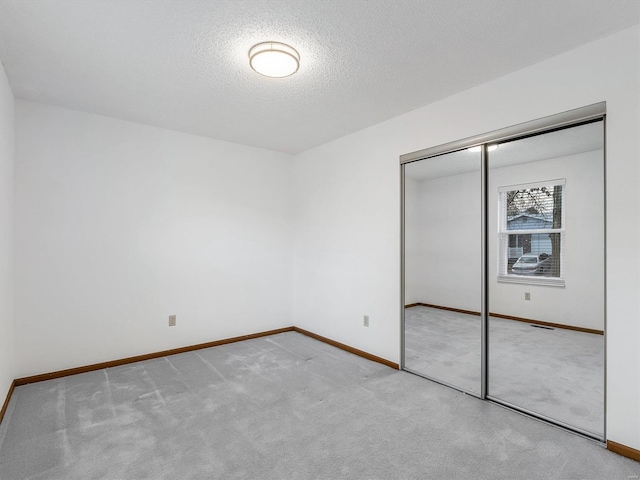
[{"x": 503, "y": 267}]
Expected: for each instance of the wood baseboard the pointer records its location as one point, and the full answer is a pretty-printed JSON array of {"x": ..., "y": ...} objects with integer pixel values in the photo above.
[
  {"x": 139, "y": 358},
  {"x": 623, "y": 450},
  {"x": 511, "y": 317},
  {"x": 6, "y": 401},
  {"x": 349, "y": 349}
]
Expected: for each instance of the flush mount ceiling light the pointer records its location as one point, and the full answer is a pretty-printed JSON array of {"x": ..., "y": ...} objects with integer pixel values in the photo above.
[
  {"x": 274, "y": 59},
  {"x": 477, "y": 148}
]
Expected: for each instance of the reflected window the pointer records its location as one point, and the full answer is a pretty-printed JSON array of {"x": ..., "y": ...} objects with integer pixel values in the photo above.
[{"x": 531, "y": 232}]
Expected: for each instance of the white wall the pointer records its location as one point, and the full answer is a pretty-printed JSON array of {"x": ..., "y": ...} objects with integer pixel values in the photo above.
[
  {"x": 347, "y": 227},
  {"x": 119, "y": 225},
  {"x": 7, "y": 138},
  {"x": 347, "y": 206}
]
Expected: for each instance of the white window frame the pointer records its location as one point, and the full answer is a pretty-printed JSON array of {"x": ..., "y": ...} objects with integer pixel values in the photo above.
[{"x": 503, "y": 236}]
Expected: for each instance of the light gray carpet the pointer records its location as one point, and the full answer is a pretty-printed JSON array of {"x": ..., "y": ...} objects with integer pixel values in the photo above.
[
  {"x": 557, "y": 373},
  {"x": 444, "y": 345},
  {"x": 279, "y": 407}
]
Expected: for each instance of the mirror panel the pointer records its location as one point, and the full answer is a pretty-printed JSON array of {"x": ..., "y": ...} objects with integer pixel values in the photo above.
[
  {"x": 546, "y": 275},
  {"x": 442, "y": 228}
]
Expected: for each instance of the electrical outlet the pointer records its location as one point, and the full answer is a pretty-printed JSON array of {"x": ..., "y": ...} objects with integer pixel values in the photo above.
[
  {"x": 527, "y": 295},
  {"x": 172, "y": 320},
  {"x": 366, "y": 321}
]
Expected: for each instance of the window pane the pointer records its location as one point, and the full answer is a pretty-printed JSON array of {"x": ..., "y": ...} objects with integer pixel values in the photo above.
[
  {"x": 534, "y": 208},
  {"x": 534, "y": 254}
]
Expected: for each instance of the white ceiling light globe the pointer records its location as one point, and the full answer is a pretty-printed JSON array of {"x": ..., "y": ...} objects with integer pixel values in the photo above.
[{"x": 274, "y": 59}]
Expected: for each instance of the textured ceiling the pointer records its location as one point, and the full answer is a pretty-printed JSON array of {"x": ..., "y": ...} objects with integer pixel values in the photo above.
[{"x": 183, "y": 64}]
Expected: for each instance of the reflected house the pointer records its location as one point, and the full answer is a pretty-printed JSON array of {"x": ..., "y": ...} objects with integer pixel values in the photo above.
[{"x": 537, "y": 243}]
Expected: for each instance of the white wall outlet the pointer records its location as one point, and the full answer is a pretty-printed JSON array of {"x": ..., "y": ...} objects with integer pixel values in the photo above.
[
  {"x": 172, "y": 320},
  {"x": 527, "y": 295},
  {"x": 366, "y": 321}
]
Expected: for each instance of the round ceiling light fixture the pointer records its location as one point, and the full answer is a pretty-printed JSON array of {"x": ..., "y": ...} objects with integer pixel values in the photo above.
[{"x": 274, "y": 59}]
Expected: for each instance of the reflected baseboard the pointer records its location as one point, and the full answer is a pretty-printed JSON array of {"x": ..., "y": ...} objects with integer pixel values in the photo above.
[{"x": 510, "y": 317}]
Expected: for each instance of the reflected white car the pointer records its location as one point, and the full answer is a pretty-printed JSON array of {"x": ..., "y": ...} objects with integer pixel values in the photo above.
[{"x": 532, "y": 264}]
